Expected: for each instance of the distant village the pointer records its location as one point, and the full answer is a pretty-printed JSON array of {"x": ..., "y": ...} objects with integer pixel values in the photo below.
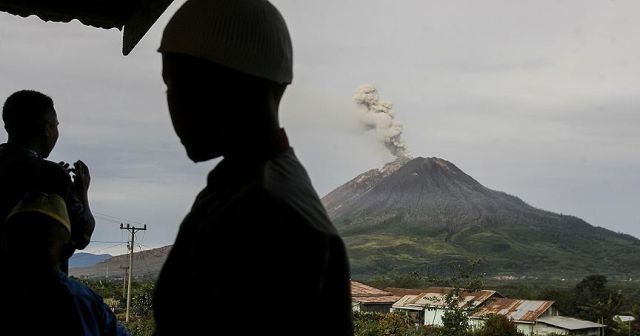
[{"x": 427, "y": 307}]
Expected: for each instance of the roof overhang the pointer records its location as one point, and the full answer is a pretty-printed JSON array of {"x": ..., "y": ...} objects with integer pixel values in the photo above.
[{"x": 133, "y": 17}]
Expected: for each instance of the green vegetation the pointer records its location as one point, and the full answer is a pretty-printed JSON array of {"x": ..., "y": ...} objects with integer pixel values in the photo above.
[
  {"x": 395, "y": 324},
  {"x": 140, "y": 310},
  {"x": 593, "y": 298},
  {"x": 505, "y": 251}
]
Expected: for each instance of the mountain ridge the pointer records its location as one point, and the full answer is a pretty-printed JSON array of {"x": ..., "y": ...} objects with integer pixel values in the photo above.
[
  {"x": 428, "y": 213},
  {"x": 84, "y": 259},
  {"x": 146, "y": 265}
]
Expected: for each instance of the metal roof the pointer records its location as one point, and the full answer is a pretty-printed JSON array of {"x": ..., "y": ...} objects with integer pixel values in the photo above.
[
  {"x": 404, "y": 291},
  {"x": 134, "y": 17},
  {"x": 515, "y": 309},
  {"x": 376, "y": 299},
  {"x": 360, "y": 289},
  {"x": 569, "y": 323},
  {"x": 624, "y": 318},
  {"x": 410, "y": 302},
  {"x": 436, "y": 297},
  {"x": 371, "y": 295}
]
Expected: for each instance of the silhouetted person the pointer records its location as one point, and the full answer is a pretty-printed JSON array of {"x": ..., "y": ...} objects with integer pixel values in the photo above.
[
  {"x": 40, "y": 299},
  {"x": 257, "y": 253},
  {"x": 32, "y": 125}
]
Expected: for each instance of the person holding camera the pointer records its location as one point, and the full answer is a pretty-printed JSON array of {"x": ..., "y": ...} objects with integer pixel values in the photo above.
[{"x": 31, "y": 123}]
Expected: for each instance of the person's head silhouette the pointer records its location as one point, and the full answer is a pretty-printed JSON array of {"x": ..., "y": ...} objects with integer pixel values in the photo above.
[
  {"x": 226, "y": 65},
  {"x": 37, "y": 230},
  {"x": 31, "y": 121}
]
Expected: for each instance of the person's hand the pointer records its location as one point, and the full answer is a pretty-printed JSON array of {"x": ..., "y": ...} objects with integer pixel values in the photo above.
[
  {"x": 81, "y": 176},
  {"x": 66, "y": 166}
]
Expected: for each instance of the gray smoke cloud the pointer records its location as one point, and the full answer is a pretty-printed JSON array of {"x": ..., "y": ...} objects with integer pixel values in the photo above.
[{"x": 378, "y": 114}]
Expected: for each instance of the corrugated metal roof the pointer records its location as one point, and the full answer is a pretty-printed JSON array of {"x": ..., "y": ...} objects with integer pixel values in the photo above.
[
  {"x": 409, "y": 302},
  {"x": 366, "y": 294},
  {"x": 360, "y": 289},
  {"x": 436, "y": 297},
  {"x": 376, "y": 299},
  {"x": 404, "y": 291},
  {"x": 135, "y": 17},
  {"x": 624, "y": 318},
  {"x": 477, "y": 297},
  {"x": 569, "y": 323},
  {"x": 514, "y": 309}
]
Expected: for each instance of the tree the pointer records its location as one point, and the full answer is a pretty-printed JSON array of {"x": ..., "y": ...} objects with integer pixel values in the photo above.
[
  {"x": 455, "y": 323},
  {"x": 595, "y": 302},
  {"x": 389, "y": 324},
  {"x": 455, "y": 320},
  {"x": 499, "y": 325}
]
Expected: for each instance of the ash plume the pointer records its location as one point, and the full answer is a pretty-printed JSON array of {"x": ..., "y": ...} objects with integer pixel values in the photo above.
[{"x": 378, "y": 114}]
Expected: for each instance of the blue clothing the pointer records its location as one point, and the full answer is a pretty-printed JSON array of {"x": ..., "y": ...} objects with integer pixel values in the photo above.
[
  {"x": 96, "y": 318},
  {"x": 51, "y": 303}
]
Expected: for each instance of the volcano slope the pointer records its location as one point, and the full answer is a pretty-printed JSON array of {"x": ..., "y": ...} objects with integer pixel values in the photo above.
[{"x": 425, "y": 215}]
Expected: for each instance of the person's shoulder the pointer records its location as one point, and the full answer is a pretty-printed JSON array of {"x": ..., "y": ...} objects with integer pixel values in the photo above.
[
  {"x": 79, "y": 289},
  {"x": 287, "y": 181},
  {"x": 52, "y": 166},
  {"x": 285, "y": 174}
]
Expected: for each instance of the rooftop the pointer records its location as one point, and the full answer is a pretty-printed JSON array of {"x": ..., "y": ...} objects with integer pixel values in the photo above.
[
  {"x": 515, "y": 309},
  {"x": 371, "y": 295},
  {"x": 569, "y": 323},
  {"x": 436, "y": 297}
]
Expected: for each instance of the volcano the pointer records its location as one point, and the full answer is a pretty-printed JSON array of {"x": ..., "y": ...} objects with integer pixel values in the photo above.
[{"x": 425, "y": 215}]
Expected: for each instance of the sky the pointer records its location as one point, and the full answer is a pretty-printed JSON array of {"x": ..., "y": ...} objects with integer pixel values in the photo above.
[{"x": 539, "y": 99}]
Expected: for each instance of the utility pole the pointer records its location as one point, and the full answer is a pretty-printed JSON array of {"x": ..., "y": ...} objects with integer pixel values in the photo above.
[
  {"x": 124, "y": 280},
  {"x": 132, "y": 230}
]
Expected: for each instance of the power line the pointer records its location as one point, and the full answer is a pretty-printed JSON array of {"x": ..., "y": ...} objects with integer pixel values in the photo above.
[
  {"x": 115, "y": 218},
  {"x": 107, "y": 242},
  {"x": 109, "y": 247}
]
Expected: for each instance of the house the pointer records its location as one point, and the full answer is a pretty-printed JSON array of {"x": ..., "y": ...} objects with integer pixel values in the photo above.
[
  {"x": 524, "y": 313},
  {"x": 428, "y": 306},
  {"x": 404, "y": 291},
  {"x": 412, "y": 306},
  {"x": 562, "y": 325},
  {"x": 531, "y": 317},
  {"x": 370, "y": 299}
]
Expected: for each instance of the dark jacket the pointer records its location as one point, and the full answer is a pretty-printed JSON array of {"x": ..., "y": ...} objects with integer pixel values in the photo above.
[
  {"x": 21, "y": 170},
  {"x": 257, "y": 255},
  {"x": 51, "y": 303},
  {"x": 96, "y": 318}
]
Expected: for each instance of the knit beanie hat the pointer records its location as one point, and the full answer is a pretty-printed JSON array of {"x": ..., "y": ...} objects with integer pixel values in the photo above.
[
  {"x": 250, "y": 36},
  {"x": 50, "y": 205}
]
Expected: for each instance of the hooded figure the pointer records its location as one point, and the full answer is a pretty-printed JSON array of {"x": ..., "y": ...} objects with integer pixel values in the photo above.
[{"x": 257, "y": 253}]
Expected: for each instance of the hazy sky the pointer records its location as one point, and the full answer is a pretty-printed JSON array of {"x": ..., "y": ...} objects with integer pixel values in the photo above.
[{"x": 539, "y": 99}]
